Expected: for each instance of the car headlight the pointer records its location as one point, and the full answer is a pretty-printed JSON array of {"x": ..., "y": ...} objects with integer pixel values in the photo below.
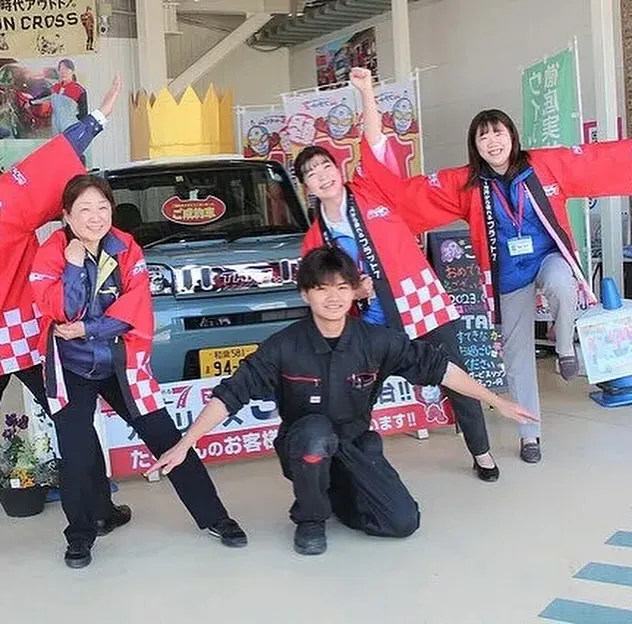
[{"x": 160, "y": 279}]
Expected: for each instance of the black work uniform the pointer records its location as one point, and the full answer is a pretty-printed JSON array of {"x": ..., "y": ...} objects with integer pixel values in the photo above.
[{"x": 325, "y": 391}]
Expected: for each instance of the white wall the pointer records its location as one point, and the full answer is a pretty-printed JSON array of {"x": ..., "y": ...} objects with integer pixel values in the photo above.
[
  {"x": 479, "y": 48},
  {"x": 111, "y": 147}
]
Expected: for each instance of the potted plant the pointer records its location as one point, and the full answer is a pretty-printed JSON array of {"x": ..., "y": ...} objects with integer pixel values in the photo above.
[{"x": 24, "y": 476}]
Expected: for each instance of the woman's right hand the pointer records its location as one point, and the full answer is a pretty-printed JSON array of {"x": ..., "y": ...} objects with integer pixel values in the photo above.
[
  {"x": 111, "y": 96},
  {"x": 75, "y": 252}
]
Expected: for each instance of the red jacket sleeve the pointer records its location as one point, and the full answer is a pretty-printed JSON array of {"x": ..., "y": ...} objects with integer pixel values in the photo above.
[
  {"x": 46, "y": 278},
  {"x": 312, "y": 239},
  {"x": 590, "y": 170},
  {"x": 424, "y": 202},
  {"x": 31, "y": 190},
  {"x": 134, "y": 306}
]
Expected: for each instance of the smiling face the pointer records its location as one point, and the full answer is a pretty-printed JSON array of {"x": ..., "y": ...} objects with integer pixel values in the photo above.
[
  {"x": 330, "y": 301},
  {"x": 90, "y": 217},
  {"x": 322, "y": 178},
  {"x": 493, "y": 143}
]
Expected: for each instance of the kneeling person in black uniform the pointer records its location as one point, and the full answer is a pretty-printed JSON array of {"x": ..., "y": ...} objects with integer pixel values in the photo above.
[{"x": 326, "y": 373}]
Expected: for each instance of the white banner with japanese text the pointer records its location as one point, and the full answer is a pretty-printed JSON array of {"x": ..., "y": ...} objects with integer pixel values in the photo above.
[{"x": 250, "y": 433}]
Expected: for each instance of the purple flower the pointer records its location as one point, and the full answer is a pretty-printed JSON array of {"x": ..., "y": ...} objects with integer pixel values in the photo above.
[
  {"x": 7, "y": 434},
  {"x": 11, "y": 420},
  {"x": 23, "y": 423}
]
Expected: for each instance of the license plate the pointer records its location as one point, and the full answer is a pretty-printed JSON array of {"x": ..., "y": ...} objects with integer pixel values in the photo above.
[{"x": 223, "y": 361}]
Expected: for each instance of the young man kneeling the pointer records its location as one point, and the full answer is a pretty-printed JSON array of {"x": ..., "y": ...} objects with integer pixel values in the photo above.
[{"x": 326, "y": 373}]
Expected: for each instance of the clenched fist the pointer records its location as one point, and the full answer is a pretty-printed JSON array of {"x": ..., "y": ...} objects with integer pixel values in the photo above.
[{"x": 75, "y": 253}]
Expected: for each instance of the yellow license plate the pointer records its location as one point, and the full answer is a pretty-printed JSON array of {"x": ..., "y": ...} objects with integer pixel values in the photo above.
[{"x": 223, "y": 361}]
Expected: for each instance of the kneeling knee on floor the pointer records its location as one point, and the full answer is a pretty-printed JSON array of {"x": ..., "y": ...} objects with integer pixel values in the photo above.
[{"x": 406, "y": 524}]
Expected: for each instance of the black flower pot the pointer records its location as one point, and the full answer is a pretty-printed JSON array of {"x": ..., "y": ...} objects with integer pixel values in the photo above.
[{"x": 23, "y": 502}]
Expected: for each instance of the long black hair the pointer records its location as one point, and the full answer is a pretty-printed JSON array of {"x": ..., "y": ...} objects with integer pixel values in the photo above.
[{"x": 492, "y": 117}]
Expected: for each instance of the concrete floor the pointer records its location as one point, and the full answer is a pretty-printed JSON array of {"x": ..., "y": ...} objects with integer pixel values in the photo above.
[{"x": 486, "y": 554}]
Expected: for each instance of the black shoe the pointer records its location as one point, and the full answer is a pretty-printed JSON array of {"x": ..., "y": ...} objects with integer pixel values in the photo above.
[
  {"x": 310, "y": 538},
  {"x": 78, "y": 554},
  {"x": 121, "y": 514},
  {"x": 486, "y": 474},
  {"x": 530, "y": 452},
  {"x": 230, "y": 533}
]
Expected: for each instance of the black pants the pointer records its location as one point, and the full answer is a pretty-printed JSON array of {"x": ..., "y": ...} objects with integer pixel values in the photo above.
[
  {"x": 469, "y": 413},
  {"x": 84, "y": 488},
  {"x": 350, "y": 477},
  {"x": 32, "y": 378}
]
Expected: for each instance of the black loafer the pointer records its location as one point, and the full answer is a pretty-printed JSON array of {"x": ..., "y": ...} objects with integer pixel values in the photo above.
[
  {"x": 486, "y": 474},
  {"x": 78, "y": 555},
  {"x": 310, "y": 538},
  {"x": 530, "y": 453},
  {"x": 121, "y": 514},
  {"x": 229, "y": 533}
]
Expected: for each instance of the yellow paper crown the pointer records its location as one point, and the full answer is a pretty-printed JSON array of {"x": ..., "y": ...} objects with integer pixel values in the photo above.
[{"x": 160, "y": 126}]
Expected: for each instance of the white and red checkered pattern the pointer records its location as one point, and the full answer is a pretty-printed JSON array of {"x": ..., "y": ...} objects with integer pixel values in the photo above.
[
  {"x": 424, "y": 304},
  {"x": 488, "y": 287},
  {"x": 144, "y": 388},
  {"x": 60, "y": 400},
  {"x": 19, "y": 335}
]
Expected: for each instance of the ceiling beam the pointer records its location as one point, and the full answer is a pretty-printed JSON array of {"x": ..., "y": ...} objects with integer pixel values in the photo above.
[{"x": 227, "y": 45}]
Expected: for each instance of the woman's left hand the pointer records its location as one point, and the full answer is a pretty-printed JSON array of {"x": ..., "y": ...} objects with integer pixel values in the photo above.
[
  {"x": 513, "y": 411},
  {"x": 70, "y": 331}
]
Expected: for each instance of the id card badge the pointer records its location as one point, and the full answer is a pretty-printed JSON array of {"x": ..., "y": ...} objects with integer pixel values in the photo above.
[{"x": 520, "y": 246}]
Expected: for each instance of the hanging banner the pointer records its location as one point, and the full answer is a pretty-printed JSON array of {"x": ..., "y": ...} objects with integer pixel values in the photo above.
[
  {"x": 335, "y": 59},
  {"x": 261, "y": 130},
  {"x": 397, "y": 103},
  {"x": 329, "y": 119},
  {"x": 36, "y": 28},
  {"x": 551, "y": 118}
]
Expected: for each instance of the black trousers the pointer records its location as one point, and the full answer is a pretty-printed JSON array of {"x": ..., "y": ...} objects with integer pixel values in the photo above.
[
  {"x": 84, "y": 488},
  {"x": 350, "y": 477},
  {"x": 468, "y": 412},
  {"x": 33, "y": 379}
]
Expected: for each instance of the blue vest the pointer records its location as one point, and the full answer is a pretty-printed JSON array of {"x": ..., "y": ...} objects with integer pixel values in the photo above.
[
  {"x": 375, "y": 314},
  {"x": 518, "y": 271}
]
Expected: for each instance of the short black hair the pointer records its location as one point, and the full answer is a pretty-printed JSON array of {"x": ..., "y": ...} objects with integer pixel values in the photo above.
[
  {"x": 322, "y": 264},
  {"x": 305, "y": 155},
  {"x": 81, "y": 183}
]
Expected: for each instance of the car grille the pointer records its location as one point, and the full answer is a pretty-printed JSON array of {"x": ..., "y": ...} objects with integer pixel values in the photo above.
[{"x": 244, "y": 318}]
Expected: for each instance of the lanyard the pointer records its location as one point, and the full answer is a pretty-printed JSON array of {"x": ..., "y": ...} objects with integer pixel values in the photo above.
[{"x": 516, "y": 220}]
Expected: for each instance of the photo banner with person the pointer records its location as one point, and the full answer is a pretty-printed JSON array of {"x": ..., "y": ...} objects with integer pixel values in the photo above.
[
  {"x": 551, "y": 111},
  {"x": 45, "y": 28}
]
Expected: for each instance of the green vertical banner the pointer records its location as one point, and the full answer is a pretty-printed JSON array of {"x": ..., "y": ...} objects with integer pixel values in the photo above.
[{"x": 551, "y": 117}]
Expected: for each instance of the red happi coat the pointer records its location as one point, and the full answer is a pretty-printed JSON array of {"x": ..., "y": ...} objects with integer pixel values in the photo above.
[
  {"x": 408, "y": 289},
  {"x": 30, "y": 197},
  {"x": 592, "y": 170},
  {"x": 133, "y": 306}
]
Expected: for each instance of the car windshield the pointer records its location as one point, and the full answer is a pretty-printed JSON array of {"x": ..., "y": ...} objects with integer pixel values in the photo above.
[{"x": 203, "y": 202}]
